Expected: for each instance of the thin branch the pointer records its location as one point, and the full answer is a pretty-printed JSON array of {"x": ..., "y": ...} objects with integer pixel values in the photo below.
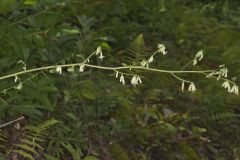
[
  {"x": 4, "y": 102},
  {"x": 11, "y": 122},
  {"x": 101, "y": 67}
]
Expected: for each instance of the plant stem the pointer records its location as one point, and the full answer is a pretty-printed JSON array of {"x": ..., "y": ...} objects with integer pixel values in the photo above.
[{"x": 101, "y": 67}]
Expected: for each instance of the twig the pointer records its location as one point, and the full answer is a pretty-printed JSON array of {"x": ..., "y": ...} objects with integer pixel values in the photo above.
[{"x": 11, "y": 122}]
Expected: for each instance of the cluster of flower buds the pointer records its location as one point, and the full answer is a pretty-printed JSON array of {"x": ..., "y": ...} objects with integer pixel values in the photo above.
[
  {"x": 59, "y": 69},
  {"x": 122, "y": 80},
  {"x": 162, "y": 49},
  {"x": 198, "y": 57},
  {"x": 233, "y": 89},
  {"x": 136, "y": 80},
  {"x": 81, "y": 67},
  {"x": 20, "y": 85},
  {"x": 191, "y": 87},
  {"x": 99, "y": 53}
]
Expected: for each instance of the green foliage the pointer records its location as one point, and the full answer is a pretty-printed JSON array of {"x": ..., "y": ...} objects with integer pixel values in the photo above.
[
  {"x": 3, "y": 139},
  {"x": 100, "y": 117},
  {"x": 30, "y": 145}
]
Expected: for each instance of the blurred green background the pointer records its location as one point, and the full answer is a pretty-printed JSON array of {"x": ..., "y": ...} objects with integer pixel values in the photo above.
[{"x": 97, "y": 117}]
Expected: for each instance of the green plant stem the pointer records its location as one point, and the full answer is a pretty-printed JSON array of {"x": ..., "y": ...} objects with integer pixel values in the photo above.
[{"x": 101, "y": 67}]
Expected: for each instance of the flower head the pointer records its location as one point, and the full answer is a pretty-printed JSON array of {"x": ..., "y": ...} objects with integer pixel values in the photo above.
[
  {"x": 101, "y": 56},
  {"x": 16, "y": 79},
  {"x": 226, "y": 85},
  {"x": 81, "y": 67},
  {"x": 99, "y": 50},
  {"x": 116, "y": 74},
  {"x": 59, "y": 69},
  {"x": 162, "y": 49},
  {"x": 150, "y": 60},
  {"x": 234, "y": 89},
  {"x": 122, "y": 80},
  {"x": 192, "y": 87},
  {"x": 183, "y": 86},
  {"x": 199, "y": 55},
  {"x": 136, "y": 80}
]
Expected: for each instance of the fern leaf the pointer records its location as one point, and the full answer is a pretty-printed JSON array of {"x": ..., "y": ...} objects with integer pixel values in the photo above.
[
  {"x": 31, "y": 143},
  {"x": 49, "y": 157},
  {"x": 24, "y": 154},
  {"x": 27, "y": 148},
  {"x": 35, "y": 138},
  {"x": 74, "y": 152}
]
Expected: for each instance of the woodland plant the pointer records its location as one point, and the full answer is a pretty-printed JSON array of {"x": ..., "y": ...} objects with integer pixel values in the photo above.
[
  {"x": 30, "y": 146},
  {"x": 122, "y": 101},
  {"x": 220, "y": 74}
]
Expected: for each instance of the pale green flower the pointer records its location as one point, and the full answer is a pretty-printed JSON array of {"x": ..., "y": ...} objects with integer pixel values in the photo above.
[
  {"x": 71, "y": 69},
  {"x": 199, "y": 55},
  {"x": 16, "y": 79},
  {"x": 234, "y": 89},
  {"x": 19, "y": 86},
  {"x": 183, "y": 86},
  {"x": 81, "y": 67},
  {"x": 192, "y": 87},
  {"x": 150, "y": 59},
  {"x": 122, "y": 80},
  {"x": 226, "y": 85},
  {"x": 59, "y": 69},
  {"x": 117, "y": 74},
  {"x": 162, "y": 49}
]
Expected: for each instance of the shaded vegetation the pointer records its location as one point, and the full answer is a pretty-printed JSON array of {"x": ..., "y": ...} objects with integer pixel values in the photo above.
[{"x": 90, "y": 116}]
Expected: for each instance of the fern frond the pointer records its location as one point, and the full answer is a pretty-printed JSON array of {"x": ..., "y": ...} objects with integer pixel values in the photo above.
[
  {"x": 31, "y": 142},
  {"x": 27, "y": 148},
  {"x": 3, "y": 138},
  {"x": 223, "y": 116},
  {"x": 136, "y": 51},
  {"x": 49, "y": 157},
  {"x": 24, "y": 154},
  {"x": 75, "y": 153}
]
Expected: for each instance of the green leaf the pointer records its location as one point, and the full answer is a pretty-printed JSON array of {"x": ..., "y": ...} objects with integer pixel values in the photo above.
[
  {"x": 24, "y": 154},
  {"x": 30, "y": 2},
  {"x": 90, "y": 158},
  {"x": 7, "y": 5},
  {"x": 49, "y": 157},
  {"x": 88, "y": 89},
  {"x": 27, "y": 148},
  {"x": 139, "y": 41},
  {"x": 75, "y": 153}
]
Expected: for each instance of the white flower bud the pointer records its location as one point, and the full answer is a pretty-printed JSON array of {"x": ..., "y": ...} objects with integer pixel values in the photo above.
[
  {"x": 139, "y": 79},
  {"x": 19, "y": 86},
  {"x": 59, "y": 69},
  {"x": 199, "y": 55},
  {"x": 16, "y": 79},
  {"x": 226, "y": 85},
  {"x": 162, "y": 49},
  {"x": 134, "y": 81},
  {"x": 192, "y": 87},
  {"x": 183, "y": 86},
  {"x": 117, "y": 74},
  {"x": 150, "y": 59},
  {"x": 81, "y": 67},
  {"x": 99, "y": 50},
  {"x": 122, "y": 80},
  {"x": 194, "y": 62},
  {"x": 71, "y": 69},
  {"x": 234, "y": 89}
]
